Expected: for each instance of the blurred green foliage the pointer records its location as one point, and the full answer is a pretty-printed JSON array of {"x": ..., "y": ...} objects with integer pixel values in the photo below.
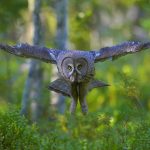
[
  {"x": 105, "y": 129},
  {"x": 119, "y": 115},
  {"x": 10, "y": 12}
]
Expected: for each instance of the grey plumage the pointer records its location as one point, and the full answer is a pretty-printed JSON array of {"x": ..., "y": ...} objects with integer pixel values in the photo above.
[
  {"x": 62, "y": 86},
  {"x": 76, "y": 68}
]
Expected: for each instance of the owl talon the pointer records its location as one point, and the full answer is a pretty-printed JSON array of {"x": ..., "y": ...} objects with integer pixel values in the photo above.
[
  {"x": 84, "y": 113},
  {"x": 84, "y": 109},
  {"x": 73, "y": 107}
]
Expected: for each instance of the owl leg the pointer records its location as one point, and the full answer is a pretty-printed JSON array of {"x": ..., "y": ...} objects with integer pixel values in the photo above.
[
  {"x": 74, "y": 96},
  {"x": 83, "y": 87}
]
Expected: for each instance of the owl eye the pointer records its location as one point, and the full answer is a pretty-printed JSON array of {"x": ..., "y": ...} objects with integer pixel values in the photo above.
[
  {"x": 69, "y": 68},
  {"x": 79, "y": 67}
]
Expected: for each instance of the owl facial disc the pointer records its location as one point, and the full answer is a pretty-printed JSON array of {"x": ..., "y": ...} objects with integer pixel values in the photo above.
[
  {"x": 75, "y": 66},
  {"x": 74, "y": 69}
]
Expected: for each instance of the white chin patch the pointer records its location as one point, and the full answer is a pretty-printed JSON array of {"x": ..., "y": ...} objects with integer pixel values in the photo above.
[{"x": 72, "y": 79}]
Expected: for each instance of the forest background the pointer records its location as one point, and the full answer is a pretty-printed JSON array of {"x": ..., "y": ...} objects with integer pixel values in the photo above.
[{"x": 118, "y": 115}]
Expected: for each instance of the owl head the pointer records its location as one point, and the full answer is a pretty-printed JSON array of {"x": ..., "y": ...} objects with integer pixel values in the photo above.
[{"x": 75, "y": 66}]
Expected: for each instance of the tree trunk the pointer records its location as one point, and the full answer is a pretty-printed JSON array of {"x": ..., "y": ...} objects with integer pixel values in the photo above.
[
  {"x": 58, "y": 101},
  {"x": 33, "y": 83}
]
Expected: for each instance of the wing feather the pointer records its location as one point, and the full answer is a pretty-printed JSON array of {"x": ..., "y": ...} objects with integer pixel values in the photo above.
[
  {"x": 119, "y": 50},
  {"x": 29, "y": 51}
]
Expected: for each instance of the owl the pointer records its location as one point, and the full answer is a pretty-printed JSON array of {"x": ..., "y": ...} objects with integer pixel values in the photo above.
[{"x": 75, "y": 67}]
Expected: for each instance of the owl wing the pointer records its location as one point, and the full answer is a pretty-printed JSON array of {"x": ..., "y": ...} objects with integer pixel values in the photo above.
[
  {"x": 96, "y": 84},
  {"x": 63, "y": 87},
  {"x": 60, "y": 86},
  {"x": 26, "y": 50},
  {"x": 119, "y": 50}
]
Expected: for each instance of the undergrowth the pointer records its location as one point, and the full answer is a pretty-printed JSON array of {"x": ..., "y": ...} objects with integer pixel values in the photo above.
[{"x": 102, "y": 130}]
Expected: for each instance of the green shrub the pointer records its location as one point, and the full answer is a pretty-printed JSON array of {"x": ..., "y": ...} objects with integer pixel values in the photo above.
[
  {"x": 16, "y": 134},
  {"x": 102, "y": 130}
]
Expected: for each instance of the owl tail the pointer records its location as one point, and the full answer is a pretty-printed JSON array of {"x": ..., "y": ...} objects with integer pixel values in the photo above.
[{"x": 63, "y": 87}]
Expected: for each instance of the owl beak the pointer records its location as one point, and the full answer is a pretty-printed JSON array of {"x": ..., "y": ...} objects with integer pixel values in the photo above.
[{"x": 73, "y": 77}]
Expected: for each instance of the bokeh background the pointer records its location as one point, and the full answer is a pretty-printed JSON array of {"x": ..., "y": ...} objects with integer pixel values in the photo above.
[{"x": 118, "y": 115}]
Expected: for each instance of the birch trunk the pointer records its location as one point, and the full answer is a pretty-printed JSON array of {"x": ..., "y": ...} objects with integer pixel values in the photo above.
[
  {"x": 32, "y": 89},
  {"x": 58, "y": 101}
]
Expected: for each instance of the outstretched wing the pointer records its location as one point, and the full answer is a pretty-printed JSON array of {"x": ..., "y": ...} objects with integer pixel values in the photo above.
[
  {"x": 119, "y": 50},
  {"x": 26, "y": 50}
]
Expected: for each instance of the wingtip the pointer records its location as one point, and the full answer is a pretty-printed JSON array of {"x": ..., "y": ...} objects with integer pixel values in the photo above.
[{"x": 146, "y": 45}]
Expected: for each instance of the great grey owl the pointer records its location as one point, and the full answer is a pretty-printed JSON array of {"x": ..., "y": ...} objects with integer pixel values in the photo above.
[{"x": 76, "y": 68}]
